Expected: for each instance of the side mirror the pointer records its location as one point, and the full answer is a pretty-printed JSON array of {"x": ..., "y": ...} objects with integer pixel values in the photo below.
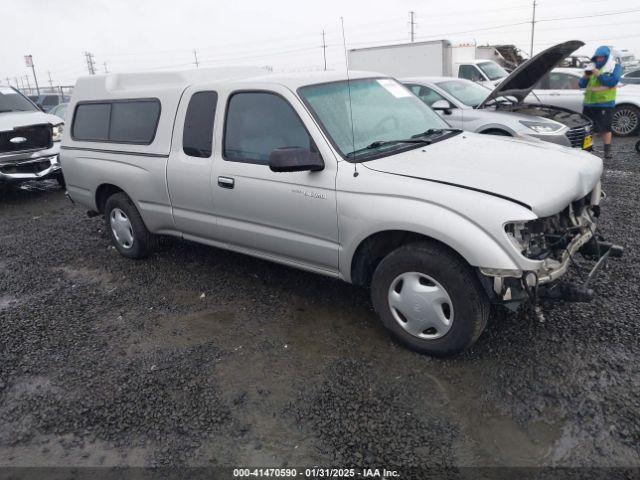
[
  {"x": 295, "y": 159},
  {"x": 443, "y": 106}
]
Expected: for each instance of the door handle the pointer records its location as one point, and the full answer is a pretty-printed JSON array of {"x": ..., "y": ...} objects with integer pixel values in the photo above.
[{"x": 226, "y": 182}]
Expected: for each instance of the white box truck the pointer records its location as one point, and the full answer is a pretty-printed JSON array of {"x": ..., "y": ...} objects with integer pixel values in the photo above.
[{"x": 437, "y": 58}]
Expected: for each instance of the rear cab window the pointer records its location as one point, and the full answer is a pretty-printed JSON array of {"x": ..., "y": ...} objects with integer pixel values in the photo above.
[
  {"x": 117, "y": 121},
  {"x": 197, "y": 136}
]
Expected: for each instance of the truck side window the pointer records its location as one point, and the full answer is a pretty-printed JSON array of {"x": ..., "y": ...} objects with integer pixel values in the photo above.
[
  {"x": 198, "y": 124},
  {"x": 259, "y": 122},
  {"x": 470, "y": 72}
]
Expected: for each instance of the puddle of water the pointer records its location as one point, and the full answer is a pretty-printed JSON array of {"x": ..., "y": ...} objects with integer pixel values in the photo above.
[
  {"x": 488, "y": 437},
  {"x": 182, "y": 331},
  {"x": 87, "y": 275}
]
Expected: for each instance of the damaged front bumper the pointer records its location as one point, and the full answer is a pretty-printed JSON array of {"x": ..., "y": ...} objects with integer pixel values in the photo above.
[
  {"x": 514, "y": 287},
  {"x": 35, "y": 168}
]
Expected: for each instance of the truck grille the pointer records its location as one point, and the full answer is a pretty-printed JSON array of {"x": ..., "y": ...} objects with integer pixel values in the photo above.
[
  {"x": 35, "y": 137},
  {"x": 576, "y": 135}
]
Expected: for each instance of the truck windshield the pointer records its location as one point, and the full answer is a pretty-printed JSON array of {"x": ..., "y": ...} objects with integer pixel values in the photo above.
[
  {"x": 467, "y": 92},
  {"x": 384, "y": 113},
  {"x": 12, "y": 101},
  {"x": 492, "y": 70}
]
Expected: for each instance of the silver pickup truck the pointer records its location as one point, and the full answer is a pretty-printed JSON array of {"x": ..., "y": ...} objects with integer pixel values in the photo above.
[
  {"x": 29, "y": 140},
  {"x": 354, "y": 178}
]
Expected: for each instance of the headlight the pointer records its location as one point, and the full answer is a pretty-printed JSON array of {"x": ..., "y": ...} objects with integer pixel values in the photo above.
[
  {"x": 542, "y": 127},
  {"x": 57, "y": 132}
]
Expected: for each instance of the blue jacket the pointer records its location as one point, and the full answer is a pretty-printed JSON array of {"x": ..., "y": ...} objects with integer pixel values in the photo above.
[{"x": 606, "y": 79}]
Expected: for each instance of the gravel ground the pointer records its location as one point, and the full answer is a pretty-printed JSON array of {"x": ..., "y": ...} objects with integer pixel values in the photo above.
[{"x": 198, "y": 356}]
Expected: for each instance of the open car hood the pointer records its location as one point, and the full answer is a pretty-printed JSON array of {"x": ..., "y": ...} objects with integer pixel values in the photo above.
[{"x": 521, "y": 81}]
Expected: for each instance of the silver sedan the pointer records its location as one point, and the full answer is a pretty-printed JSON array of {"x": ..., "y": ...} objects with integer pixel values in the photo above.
[{"x": 462, "y": 104}]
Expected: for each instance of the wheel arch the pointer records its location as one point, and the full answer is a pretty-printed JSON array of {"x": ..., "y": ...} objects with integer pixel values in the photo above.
[
  {"x": 495, "y": 129},
  {"x": 376, "y": 246},
  {"x": 103, "y": 192}
]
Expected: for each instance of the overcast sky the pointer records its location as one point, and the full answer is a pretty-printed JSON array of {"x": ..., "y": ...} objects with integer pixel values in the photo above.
[{"x": 135, "y": 35}]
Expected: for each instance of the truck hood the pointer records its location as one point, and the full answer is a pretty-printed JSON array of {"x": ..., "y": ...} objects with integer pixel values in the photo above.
[
  {"x": 12, "y": 120},
  {"x": 538, "y": 175},
  {"x": 521, "y": 81}
]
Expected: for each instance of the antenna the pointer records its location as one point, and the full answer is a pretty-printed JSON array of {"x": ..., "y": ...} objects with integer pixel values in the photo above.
[{"x": 346, "y": 62}]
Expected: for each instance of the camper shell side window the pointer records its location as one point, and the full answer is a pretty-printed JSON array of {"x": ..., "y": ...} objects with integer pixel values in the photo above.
[{"x": 128, "y": 121}]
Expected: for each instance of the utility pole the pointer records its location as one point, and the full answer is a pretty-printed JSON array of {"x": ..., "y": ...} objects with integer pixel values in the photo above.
[
  {"x": 29, "y": 61},
  {"x": 26, "y": 77},
  {"x": 533, "y": 28},
  {"x": 8, "y": 83},
  {"x": 412, "y": 24},
  {"x": 195, "y": 56},
  {"x": 106, "y": 70},
  {"x": 50, "y": 81},
  {"x": 91, "y": 65},
  {"x": 324, "y": 50}
]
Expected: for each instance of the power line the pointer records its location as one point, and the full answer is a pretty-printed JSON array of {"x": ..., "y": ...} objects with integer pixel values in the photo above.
[{"x": 603, "y": 14}]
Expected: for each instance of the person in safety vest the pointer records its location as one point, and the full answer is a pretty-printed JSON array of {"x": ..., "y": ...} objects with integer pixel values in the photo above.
[{"x": 600, "y": 81}]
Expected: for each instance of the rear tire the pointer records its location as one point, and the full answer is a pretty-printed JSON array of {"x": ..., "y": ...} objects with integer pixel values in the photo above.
[
  {"x": 430, "y": 299},
  {"x": 626, "y": 120},
  {"x": 126, "y": 227}
]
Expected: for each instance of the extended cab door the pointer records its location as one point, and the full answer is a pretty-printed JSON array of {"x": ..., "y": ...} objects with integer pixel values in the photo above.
[
  {"x": 291, "y": 216},
  {"x": 189, "y": 170}
]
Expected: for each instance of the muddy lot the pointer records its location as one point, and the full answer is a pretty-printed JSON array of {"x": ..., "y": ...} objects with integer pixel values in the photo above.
[{"x": 197, "y": 356}]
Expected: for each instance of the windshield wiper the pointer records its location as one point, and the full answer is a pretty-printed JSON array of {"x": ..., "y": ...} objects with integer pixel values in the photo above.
[
  {"x": 386, "y": 143},
  {"x": 435, "y": 131}
]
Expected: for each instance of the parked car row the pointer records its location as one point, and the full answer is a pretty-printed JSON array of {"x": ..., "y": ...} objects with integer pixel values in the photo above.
[
  {"x": 503, "y": 111},
  {"x": 48, "y": 101}
]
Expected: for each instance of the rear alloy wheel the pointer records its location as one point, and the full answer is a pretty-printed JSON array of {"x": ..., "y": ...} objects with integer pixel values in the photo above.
[
  {"x": 626, "y": 120},
  {"x": 430, "y": 299}
]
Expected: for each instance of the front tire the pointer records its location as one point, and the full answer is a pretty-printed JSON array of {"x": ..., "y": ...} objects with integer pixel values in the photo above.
[
  {"x": 429, "y": 299},
  {"x": 126, "y": 227},
  {"x": 626, "y": 120}
]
